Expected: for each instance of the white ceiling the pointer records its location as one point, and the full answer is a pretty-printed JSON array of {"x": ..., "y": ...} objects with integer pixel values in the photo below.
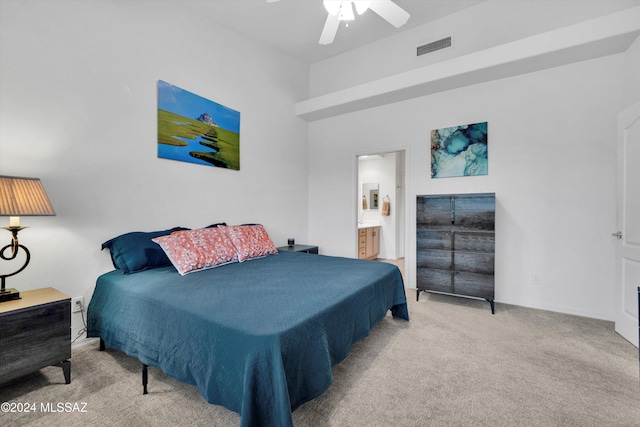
[{"x": 294, "y": 26}]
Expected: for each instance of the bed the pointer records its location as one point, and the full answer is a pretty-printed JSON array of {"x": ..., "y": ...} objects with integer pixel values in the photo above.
[{"x": 258, "y": 337}]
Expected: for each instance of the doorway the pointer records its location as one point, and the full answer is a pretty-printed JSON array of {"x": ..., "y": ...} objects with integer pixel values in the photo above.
[{"x": 381, "y": 200}]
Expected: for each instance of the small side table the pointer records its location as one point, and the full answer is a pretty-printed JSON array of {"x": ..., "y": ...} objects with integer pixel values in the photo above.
[
  {"x": 299, "y": 248},
  {"x": 35, "y": 332}
]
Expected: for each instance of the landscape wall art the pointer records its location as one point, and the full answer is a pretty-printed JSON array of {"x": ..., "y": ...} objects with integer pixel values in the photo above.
[
  {"x": 196, "y": 130},
  {"x": 460, "y": 151}
]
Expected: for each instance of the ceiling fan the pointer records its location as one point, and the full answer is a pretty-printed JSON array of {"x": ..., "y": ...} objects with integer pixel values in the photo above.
[{"x": 342, "y": 10}]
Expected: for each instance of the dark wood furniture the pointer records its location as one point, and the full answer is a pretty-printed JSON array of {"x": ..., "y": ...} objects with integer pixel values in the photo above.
[
  {"x": 300, "y": 248},
  {"x": 35, "y": 332},
  {"x": 455, "y": 245}
]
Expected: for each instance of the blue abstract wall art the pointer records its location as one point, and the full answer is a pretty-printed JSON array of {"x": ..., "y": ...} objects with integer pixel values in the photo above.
[{"x": 460, "y": 151}]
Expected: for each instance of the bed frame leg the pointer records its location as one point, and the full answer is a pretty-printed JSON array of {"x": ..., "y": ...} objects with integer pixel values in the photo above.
[
  {"x": 145, "y": 373},
  {"x": 145, "y": 378}
]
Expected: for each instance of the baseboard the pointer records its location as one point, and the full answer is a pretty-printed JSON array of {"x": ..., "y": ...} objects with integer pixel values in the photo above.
[
  {"x": 81, "y": 342},
  {"x": 555, "y": 309}
]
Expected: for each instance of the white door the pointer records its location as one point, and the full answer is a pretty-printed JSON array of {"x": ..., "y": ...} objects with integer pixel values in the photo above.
[{"x": 628, "y": 218}]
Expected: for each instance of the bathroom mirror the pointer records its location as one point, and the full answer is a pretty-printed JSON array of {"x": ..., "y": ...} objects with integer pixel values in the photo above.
[{"x": 369, "y": 196}]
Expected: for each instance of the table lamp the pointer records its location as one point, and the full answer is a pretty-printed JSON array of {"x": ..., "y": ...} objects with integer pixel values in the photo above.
[{"x": 19, "y": 197}]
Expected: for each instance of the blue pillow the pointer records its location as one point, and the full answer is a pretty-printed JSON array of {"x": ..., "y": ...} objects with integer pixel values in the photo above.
[
  {"x": 133, "y": 252},
  {"x": 216, "y": 225}
]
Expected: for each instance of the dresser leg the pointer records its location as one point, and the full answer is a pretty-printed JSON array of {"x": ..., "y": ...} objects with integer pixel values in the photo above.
[
  {"x": 490, "y": 301},
  {"x": 101, "y": 344}
]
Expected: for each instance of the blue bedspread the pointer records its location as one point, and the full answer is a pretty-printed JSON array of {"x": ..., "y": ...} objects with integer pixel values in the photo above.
[{"x": 258, "y": 337}]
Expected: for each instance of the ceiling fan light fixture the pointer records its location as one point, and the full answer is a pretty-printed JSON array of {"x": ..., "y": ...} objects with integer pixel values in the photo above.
[
  {"x": 332, "y": 6},
  {"x": 343, "y": 9},
  {"x": 346, "y": 12},
  {"x": 361, "y": 6}
]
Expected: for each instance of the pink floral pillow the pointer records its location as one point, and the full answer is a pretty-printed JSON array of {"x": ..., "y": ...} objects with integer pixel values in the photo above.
[
  {"x": 195, "y": 250},
  {"x": 251, "y": 241}
]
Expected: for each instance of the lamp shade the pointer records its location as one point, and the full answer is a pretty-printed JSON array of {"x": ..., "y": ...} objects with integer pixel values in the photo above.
[{"x": 23, "y": 197}]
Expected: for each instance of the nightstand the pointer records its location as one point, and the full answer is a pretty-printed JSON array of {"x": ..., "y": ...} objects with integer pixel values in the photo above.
[
  {"x": 35, "y": 332},
  {"x": 299, "y": 248}
]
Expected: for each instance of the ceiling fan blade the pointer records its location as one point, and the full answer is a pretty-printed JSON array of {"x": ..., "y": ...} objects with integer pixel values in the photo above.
[
  {"x": 390, "y": 11},
  {"x": 271, "y": 1},
  {"x": 330, "y": 29}
]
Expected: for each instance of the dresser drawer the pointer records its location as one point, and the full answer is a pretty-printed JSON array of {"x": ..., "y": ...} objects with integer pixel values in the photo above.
[
  {"x": 474, "y": 284},
  {"x": 474, "y": 241},
  {"x": 434, "y": 213},
  {"x": 429, "y": 239},
  {"x": 430, "y": 258},
  {"x": 474, "y": 213},
  {"x": 434, "y": 279}
]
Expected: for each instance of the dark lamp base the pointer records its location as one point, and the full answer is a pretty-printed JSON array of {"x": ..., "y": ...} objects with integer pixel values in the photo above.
[{"x": 9, "y": 295}]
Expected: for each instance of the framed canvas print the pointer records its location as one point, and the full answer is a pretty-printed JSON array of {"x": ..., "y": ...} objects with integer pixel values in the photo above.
[
  {"x": 460, "y": 151},
  {"x": 196, "y": 130}
]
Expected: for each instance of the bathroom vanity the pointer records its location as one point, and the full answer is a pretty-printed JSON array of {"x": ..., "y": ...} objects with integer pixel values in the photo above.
[{"x": 368, "y": 241}]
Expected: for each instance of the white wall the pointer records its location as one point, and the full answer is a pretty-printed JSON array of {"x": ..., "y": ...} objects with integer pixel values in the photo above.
[
  {"x": 78, "y": 108},
  {"x": 488, "y": 24},
  {"x": 551, "y": 164},
  {"x": 631, "y": 74}
]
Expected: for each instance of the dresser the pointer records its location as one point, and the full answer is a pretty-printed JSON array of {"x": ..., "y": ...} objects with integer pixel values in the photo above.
[
  {"x": 35, "y": 332},
  {"x": 455, "y": 245},
  {"x": 368, "y": 242}
]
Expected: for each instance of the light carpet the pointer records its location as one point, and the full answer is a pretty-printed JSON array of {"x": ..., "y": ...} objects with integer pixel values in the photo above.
[{"x": 453, "y": 364}]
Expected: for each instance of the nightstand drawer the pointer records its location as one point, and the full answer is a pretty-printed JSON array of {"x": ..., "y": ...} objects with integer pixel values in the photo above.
[
  {"x": 20, "y": 357},
  {"x": 34, "y": 321},
  {"x": 35, "y": 332}
]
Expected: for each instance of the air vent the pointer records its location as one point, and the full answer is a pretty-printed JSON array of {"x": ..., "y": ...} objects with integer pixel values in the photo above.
[{"x": 433, "y": 46}]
